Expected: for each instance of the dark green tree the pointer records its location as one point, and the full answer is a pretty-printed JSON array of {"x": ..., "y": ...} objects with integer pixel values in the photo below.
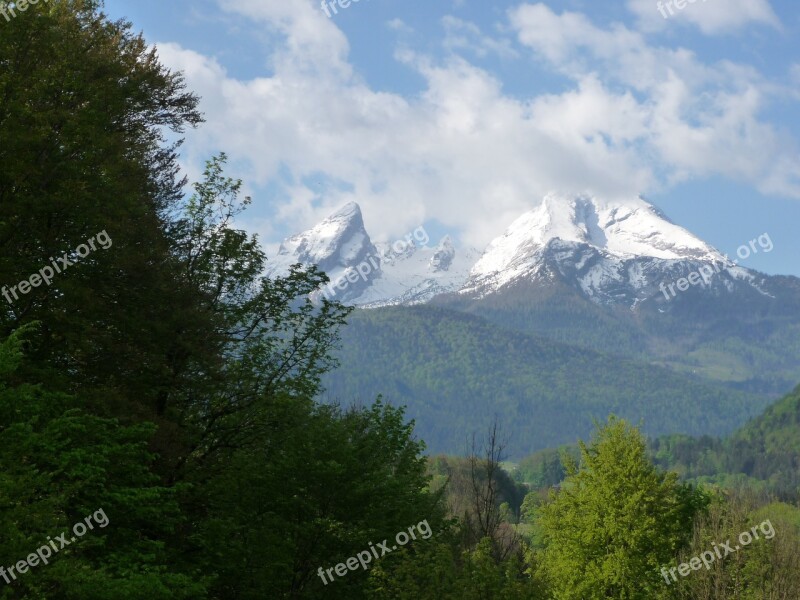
[
  {"x": 268, "y": 343},
  {"x": 60, "y": 464},
  {"x": 85, "y": 108},
  {"x": 326, "y": 484}
]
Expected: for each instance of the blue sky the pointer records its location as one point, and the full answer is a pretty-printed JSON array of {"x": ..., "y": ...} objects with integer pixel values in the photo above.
[{"x": 462, "y": 114}]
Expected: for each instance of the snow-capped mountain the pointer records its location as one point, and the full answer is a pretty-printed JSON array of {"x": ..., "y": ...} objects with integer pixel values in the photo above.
[
  {"x": 419, "y": 275},
  {"x": 334, "y": 245},
  {"x": 612, "y": 252},
  {"x": 363, "y": 273},
  {"x": 335, "y": 242},
  {"x": 615, "y": 277}
]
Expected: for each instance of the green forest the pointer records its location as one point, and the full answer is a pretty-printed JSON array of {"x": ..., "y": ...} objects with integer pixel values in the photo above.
[
  {"x": 454, "y": 371},
  {"x": 161, "y": 429},
  {"x": 747, "y": 342}
]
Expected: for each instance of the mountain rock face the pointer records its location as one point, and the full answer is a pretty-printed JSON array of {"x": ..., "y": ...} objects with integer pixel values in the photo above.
[
  {"x": 443, "y": 257},
  {"x": 363, "y": 273},
  {"x": 609, "y": 252},
  {"x": 621, "y": 253},
  {"x": 336, "y": 245}
]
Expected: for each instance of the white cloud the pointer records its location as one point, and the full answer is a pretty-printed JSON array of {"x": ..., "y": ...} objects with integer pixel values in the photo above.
[
  {"x": 462, "y": 35},
  {"x": 692, "y": 119},
  {"x": 463, "y": 151},
  {"x": 712, "y": 17},
  {"x": 399, "y": 25},
  {"x": 312, "y": 42}
]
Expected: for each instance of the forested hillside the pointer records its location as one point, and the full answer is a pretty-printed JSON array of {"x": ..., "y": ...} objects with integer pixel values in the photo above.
[
  {"x": 454, "y": 372},
  {"x": 764, "y": 454},
  {"x": 745, "y": 341}
]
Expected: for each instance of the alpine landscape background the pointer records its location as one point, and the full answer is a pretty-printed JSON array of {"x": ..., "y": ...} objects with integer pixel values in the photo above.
[{"x": 561, "y": 320}]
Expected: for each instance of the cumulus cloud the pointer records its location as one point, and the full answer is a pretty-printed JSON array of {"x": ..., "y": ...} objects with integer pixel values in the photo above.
[
  {"x": 712, "y": 17},
  {"x": 463, "y": 35},
  {"x": 463, "y": 151},
  {"x": 399, "y": 25},
  {"x": 693, "y": 119}
]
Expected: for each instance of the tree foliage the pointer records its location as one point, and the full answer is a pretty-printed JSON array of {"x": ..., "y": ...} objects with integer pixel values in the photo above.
[{"x": 614, "y": 521}]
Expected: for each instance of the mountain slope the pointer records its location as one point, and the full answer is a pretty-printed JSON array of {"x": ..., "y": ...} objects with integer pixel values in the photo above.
[
  {"x": 764, "y": 453},
  {"x": 455, "y": 372},
  {"x": 745, "y": 340},
  {"x": 363, "y": 273},
  {"x": 609, "y": 277},
  {"x": 612, "y": 253}
]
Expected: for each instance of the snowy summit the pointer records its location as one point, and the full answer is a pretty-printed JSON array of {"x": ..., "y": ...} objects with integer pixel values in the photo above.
[{"x": 611, "y": 252}]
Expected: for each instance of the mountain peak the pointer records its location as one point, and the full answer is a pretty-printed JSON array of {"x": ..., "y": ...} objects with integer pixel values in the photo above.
[
  {"x": 588, "y": 230},
  {"x": 624, "y": 229},
  {"x": 348, "y": 212},
  {"x": 609, "y": 251},
  {"x": 334, "y": 245}
]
